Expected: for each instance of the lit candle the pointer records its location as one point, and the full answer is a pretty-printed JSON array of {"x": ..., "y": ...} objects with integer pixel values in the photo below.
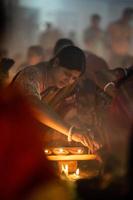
[
  {"x": 79, "y": 151},
  {"x": 77, "y": 172},
  {"x": 76, "y": 150},
  {"x": 75, "y": 176},
  {"x": 61, "y": 150},
  {"x": 47, "y": 151},
  {"x": 64, "y": 169}
]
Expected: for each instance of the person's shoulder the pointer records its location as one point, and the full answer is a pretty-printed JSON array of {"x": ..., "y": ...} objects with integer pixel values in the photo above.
[
  {"x": 95, "y": 61},
  {"x": 32, "y": 72},
  {"x": 27, "y": 72},
  {"x": 34, "y": 68}
]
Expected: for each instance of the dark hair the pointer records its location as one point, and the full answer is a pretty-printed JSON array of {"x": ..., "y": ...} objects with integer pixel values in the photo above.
[
  {"x": 95, "y": 17},
  {"x": 61, "y": 43},
  {"x": 37, "y": 50},
  {"x": 125, "y": 79},
  {"x": 3, "y": 22},
  {"x": 71, "y": 57}
]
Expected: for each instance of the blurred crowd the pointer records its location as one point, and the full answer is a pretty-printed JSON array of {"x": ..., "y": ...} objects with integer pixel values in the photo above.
[{"x": 95, "y": 96}]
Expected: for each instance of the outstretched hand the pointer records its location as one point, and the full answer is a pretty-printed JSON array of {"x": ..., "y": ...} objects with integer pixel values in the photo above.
[{"x": 85, "y": 138}]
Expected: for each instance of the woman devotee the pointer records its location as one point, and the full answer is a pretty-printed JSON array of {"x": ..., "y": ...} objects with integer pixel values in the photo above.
[{"x": 61, "y": 71}]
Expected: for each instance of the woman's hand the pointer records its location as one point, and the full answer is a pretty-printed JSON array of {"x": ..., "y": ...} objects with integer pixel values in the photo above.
[{"x": 86, "y": 139}]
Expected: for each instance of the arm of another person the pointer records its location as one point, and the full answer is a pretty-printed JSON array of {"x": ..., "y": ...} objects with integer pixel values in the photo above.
[{"x": 98, "y": 71}]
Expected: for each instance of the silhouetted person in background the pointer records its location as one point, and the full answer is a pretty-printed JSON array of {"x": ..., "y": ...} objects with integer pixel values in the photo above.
[
  {"x": 119, "y": 37},
  {"x": 48, "y": 39},
  {"x": 93, "y": 36}
]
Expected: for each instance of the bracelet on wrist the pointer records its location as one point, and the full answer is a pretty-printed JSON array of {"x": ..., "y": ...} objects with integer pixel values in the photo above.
[{"x": 107, "y": 85}]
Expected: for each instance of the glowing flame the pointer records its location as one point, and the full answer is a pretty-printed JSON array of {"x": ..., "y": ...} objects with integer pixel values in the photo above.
[
  {"x": 61, "y": 150},
  {"x": 77, "y": 172},
  {"x": 46, "y": 151},
  {"x": 79, "y": 150},
  {"x": 64, "y": 169}
]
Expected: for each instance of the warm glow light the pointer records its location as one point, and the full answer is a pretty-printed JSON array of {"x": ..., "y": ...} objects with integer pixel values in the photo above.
[
  {"x": 46, "y": 150},
  {"x": 77, "y": 172},
  {"x": 65, "y": 169},
  {"x": 79, "y": 150},
  {"x": 61, "y": 150}
]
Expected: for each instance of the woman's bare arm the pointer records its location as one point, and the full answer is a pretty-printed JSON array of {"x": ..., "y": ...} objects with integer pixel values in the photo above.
[{"x": 47, "y": 116}]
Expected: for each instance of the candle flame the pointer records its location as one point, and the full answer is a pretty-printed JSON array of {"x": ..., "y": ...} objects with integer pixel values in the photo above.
[
  {"x": 77, "y": 172},
  {"x": 46, "y": 151},
  {"x": 79, "y": 150},
  {"x": 60, "y": 150},
  {"x": 64, "y": 169}
]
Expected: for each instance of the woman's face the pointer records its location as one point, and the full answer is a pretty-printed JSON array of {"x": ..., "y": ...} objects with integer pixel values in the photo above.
[{"x": 64, "y": 77}]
